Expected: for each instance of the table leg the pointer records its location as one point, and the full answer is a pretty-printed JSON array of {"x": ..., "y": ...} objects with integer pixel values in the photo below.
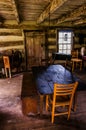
[
  {"x": 47, "y": 102},
  {"x": 81, "y": 66},
  {"x": 73, "y": 66},
  {"x": 41, "y": 104}
]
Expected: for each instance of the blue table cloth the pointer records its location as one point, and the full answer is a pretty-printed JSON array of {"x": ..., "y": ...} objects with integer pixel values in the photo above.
[{"x": 47, "y": 76}]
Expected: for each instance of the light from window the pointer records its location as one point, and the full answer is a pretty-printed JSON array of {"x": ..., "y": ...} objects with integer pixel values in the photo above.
[{"x": 65, "y": 40}]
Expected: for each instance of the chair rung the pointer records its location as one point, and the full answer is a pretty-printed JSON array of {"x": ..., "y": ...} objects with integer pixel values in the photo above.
[
  {"x": 61, "y": 104},
  {"x": 62, "y": 113}
]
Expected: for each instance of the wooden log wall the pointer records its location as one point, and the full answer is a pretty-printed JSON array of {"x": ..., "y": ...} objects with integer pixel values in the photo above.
[
  {"x": 36, "y": 45},
  {"x": 51, "y": 41},
  {"x": 79, "y": 39},
  {"x": 12, "y": 40}
]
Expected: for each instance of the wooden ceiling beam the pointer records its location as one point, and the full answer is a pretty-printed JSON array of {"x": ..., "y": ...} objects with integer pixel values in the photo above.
[
  {"x": 80, "y": 22},
  {"x": 79, "y": 13},
  {"x": 53, "y": 6}
]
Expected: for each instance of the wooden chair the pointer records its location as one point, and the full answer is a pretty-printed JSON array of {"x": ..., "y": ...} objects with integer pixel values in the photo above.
[
  {"x": 7, "y": 66},
  {"x": 74, "y": 53},
  {"x": 75, "y": 60},
  {"x": 63, "y": 97}
]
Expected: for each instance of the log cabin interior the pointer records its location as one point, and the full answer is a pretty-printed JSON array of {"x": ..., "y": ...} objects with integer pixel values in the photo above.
[{"x": 35, "y": 34}]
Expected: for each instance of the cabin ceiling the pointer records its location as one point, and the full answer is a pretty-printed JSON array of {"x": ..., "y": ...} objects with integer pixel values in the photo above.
[{"x": 32, "y": 14}]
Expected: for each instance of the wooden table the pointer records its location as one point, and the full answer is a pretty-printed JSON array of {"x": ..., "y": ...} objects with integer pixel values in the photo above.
[
  {"x": 61, "y": 57},
  {"x": 49, "y": 75},
  {"x": 75, "y": 61}
]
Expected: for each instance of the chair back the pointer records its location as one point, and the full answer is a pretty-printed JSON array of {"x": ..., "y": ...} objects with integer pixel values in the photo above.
[
  {"x": 7, "y": 66},
  {"x": 63, "y": 95},
  {"x": 74, "y": 53},
  {"x": 64, "y": 89},
  {"x": 6, "y": 61}
]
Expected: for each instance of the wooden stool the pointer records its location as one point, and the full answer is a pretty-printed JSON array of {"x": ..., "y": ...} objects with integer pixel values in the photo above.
[{"x": 7, "y": 66}]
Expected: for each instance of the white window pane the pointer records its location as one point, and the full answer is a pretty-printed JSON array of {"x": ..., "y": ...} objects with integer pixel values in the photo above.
[
  {"x": 65, "y": 36},
  {"x": 60, "y": 40},
  {"x": 64, "y": 51},
  {"x": 69, "y": 40},
  {"x": 60, "y": 46},
  {"x": 68, "y": 51},
  {"x": 60, "y": 34},
  {"x": 64, "y": 46},
  {"x": 65, "y": 42},
  {"x": 60, "y": 51},
  {"x": 69, "y": 34},
  {"x": 68, "y": 46}
]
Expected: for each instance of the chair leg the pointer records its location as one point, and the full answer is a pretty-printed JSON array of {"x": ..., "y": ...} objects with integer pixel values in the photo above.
[
  {"x": 69, "y": 114},
  {"x": 75, "y": 102},
  {"x": 6, "y": 72},
  {"x": 52, "y": 119},
  {"x": 47, "y": 103},
  {"x": 53, "y": 111},
  {"x": 81, "y": 65},
  {"x": 9, "y": 72},
  {"x": 69, "y": 110}
]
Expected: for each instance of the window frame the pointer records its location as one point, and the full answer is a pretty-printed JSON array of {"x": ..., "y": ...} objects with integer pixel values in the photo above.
[{"x": 65, "y": 41}]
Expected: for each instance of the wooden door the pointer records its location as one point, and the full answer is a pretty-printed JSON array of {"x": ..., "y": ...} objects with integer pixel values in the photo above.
[{"x": 35, "y": 50}]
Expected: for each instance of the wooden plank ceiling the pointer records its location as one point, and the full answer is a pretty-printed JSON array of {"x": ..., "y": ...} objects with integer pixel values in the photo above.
[{"x": 40, "y": 13}]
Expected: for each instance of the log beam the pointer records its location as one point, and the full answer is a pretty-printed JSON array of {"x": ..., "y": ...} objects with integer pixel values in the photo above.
[
  {"x": 80, "y": 22},
  {"x": 79, "y": 13},
  {"x": 54, "y": 5}
]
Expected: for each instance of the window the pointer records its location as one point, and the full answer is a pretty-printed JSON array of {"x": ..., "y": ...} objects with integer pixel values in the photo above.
[{"x": 65, "y": 40}]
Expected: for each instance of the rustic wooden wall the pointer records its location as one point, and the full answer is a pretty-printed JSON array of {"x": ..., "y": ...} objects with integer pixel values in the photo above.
[
  {"x": 79, "y": 39},
  {"x": 37, "y": 45},
  {"x": 12, "y": 39},
  {"x": 52, "y": 41}
]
